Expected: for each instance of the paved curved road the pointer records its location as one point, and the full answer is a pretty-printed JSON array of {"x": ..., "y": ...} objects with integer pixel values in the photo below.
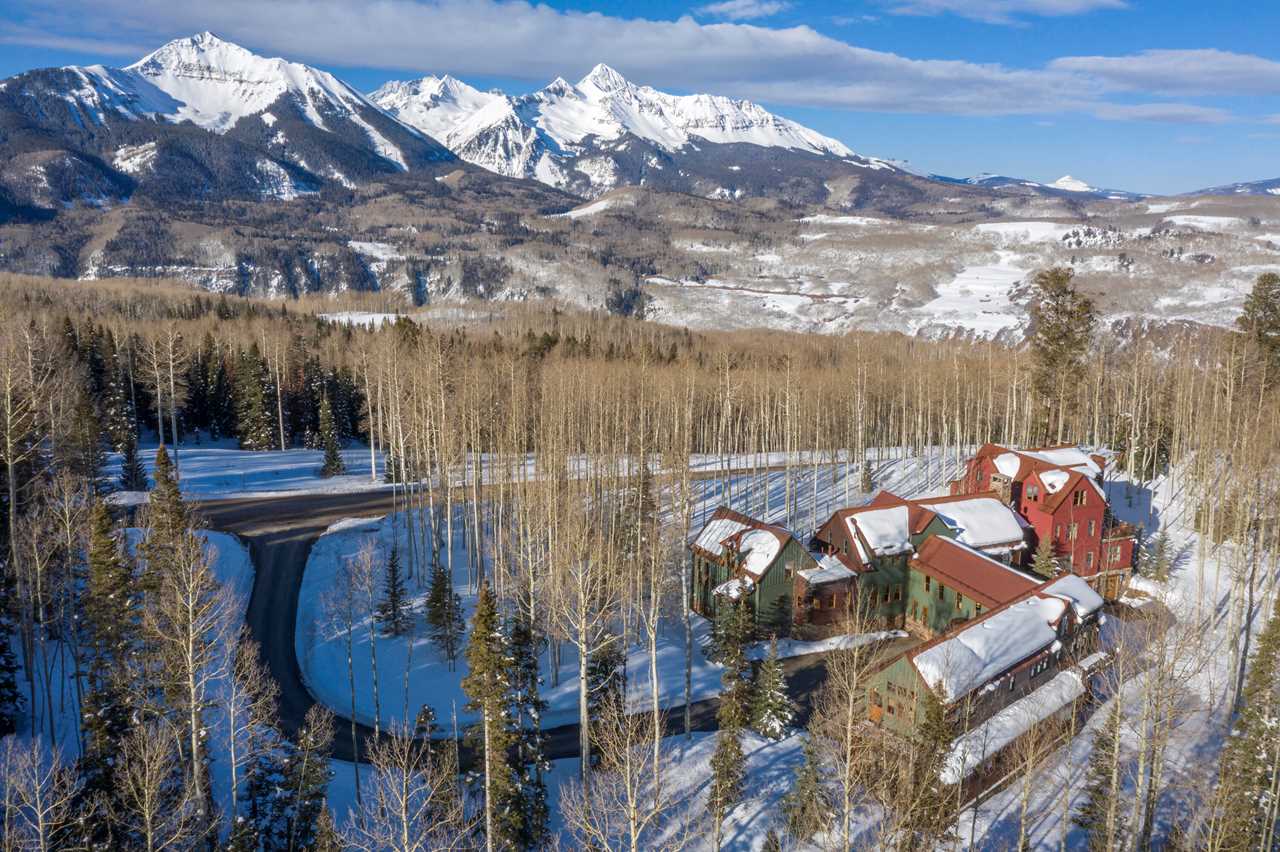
[{"x": 280, "y": 531}]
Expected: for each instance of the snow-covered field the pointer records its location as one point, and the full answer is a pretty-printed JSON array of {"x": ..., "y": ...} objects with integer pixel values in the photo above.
[{"x": 215, "y": 469}]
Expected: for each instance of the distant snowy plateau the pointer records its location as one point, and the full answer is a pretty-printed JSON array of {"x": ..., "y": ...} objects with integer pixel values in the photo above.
[{"x": 262, "y": 176}]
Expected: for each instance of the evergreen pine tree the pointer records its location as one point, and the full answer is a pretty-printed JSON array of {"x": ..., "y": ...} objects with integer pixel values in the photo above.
[
  {"x": 1099, "y": 816},
  {"x": 605, "y": 684},
  {"x": 488, "y": 687},
  {"x": 393, "y": 610},
  {"x": 333, "y": 464},
  {"x": 805, "y": 804},
  {"x": 1062, "y": 322},
  {"x": 1044, "y": 564},
  {"x": 1159, "y": 558},
  {"x": 771, "y": 708},
  {"x": 1260, "y": 319},
  {"x": 444, "y": 613},
  {"x": 11, "y": 698},
  {"x": 527, "y": 708},
  {"x": 253, "y": 413},
  {"x": 728, "y": 763},
  {"x": 133, "y": 476},
  {"x": 307, "y": 778},
  {"x": 931, "y": 802}
]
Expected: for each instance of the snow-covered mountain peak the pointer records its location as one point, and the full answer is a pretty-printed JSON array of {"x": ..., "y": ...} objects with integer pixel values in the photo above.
[
  {"x": 219, "y": 82},
  {"x": 1069, "y": 184},
  {"x": 603, "y": 79},
  {"x": 559, "y": 87}
]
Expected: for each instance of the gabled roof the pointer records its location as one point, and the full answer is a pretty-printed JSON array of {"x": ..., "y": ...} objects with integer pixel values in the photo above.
[
  {"x": 1058, "y": 483},
  {"x": 973, "y": 574},
  {"x": 756, "y": 542},
  {"x": 985, "y": 648}
]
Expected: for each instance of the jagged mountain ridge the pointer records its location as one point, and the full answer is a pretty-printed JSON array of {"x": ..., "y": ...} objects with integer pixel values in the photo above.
[
  {"x": 200, "y": 119},
  {"x": 605, "y": 131}
]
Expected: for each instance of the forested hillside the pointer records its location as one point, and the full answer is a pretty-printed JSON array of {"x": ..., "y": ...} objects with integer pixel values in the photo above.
[{"x": 545, "y": 470}]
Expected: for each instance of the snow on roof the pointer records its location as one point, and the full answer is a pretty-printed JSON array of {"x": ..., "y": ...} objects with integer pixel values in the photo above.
[
  {"x": 758, "y": 548},
  {"x": 1054, "y": 480},
  {"x": 980, "y": 521},
  {"x": 971, "y": 749},
  {"x": 1008, "y": 464},
  {"x": 715, "y": 532},
  {"x": 735, "y": 588},
  {"x": 1084, "y": 600},
  {"x": 886, "y": 531},
  {"x": 830, "y": 570},
  {"x": 1069, "y": 457},
  {"x": 976, "y": 654}
]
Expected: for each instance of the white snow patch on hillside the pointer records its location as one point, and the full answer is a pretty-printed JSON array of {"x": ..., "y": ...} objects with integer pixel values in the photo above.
[
  {"x": 978, "y": 299},
  {"x": 134, "y": 159},
  {"x": 1026, "y": 232}
]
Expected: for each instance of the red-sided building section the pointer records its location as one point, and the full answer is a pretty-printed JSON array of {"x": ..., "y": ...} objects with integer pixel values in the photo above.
[{"x": 1058, "y": 491}]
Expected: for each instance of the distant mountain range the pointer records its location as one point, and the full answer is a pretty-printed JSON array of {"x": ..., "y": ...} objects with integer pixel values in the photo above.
[{"x": 202, "y": 119}]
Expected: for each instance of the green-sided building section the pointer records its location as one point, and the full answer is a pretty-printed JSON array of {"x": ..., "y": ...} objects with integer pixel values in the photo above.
[{"x": 736, "y": 557}]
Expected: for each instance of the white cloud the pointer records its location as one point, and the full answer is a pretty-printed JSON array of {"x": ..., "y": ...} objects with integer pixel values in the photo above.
[
  {"x": 1172, "y": 113},
  {"x": 1001, "y": 11},
  {"x": 779, "y": 65},
  {"x": 743, "y": 10},
  {"x": 1180, "y": 72}
]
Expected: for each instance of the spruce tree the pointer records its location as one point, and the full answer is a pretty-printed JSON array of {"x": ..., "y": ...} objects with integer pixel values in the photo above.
[
  {"x": 1159, "y": 559},
  {"x": 307, "y": 778},
  {"x": 527, "y": 708},
  {"x": 1260, "y": 320},
  {"x": 253, "y": 413},
  {"x": 444, "y": 613},
  {"x": 805, "y": 805},
  {"x": 1044, "y": 564},
  {"x": 605, "y": 685},
  {"x": 931, "y": 802},
  {"x": 11, "y": 698},
  {"x": 393, "y": 613},
  {"x": 333, "y": 464},
  {"x": 1062, "y": 322},
  {"x": 488, "y": 687},
  {"x": 133, "y": 476},
  {"x": 771, "y": 708},
  {"x": 1100, "y": 815},
  {"x": 728, "y": 763}
]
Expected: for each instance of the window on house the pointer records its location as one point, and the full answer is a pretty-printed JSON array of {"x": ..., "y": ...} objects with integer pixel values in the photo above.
[
  {"x": 817, "y": 602},
  {"x": 1080, "y": 497},
  {"x": 1088, "y": 560},
  {"x": 1093, "y": 525},
  {"x": 1033, "y": 492},
  {"x": 977, "y": 609},
  {"x": 924, "y": 615},
  {"x": 897, "y": 593},
  {"x": 926, "y": 583},
  {"x": 942, "y": 592},
  {"x": 1012, "y": 682},
  {"x": 1058, "y": 534},
  {"x": 1072, "y": 530},
  {"x": 787, "y": 571},
  {"x": 959, "y": 601}
]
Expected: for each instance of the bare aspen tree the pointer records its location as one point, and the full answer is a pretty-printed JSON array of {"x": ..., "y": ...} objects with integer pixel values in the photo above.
[
  {"x": 250, "y": 706},
  {"x": 155, "y": 805},
  {"x": 414, "y": 801},
  {"x": 41, "y": 795},
  {"x": 191, "y": 622}
]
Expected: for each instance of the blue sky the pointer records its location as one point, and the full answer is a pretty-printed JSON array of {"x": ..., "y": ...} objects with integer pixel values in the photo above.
[{"x": 1164, "y": 96}]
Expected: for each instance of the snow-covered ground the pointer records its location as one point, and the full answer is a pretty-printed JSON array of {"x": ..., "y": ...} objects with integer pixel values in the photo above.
[
  {"x": 321, "y": 637},
  {"x": 215, "y": 469}
]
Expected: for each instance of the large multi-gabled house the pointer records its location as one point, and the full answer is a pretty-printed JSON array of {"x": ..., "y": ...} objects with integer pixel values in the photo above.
[
  {"x": 737, "y": 557},
  {"x": 878, "y": 542},
  {"x": 1059, "y": 492}
]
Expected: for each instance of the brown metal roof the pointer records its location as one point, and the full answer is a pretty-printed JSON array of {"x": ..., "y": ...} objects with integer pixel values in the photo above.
[{"x": 958, "y": 566}]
